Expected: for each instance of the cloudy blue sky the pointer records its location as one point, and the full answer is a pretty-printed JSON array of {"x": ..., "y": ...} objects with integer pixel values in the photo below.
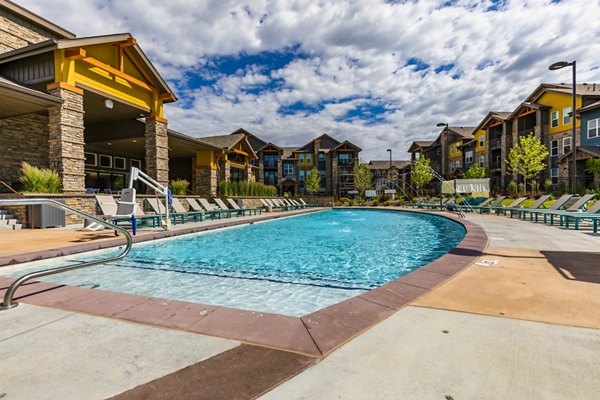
[{"x": 378, "y": 73}]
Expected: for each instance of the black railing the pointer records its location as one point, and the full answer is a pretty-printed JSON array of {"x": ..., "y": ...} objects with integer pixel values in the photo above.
[{"x": 495, "y": 143}]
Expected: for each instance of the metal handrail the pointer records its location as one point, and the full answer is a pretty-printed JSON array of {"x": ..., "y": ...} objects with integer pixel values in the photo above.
[
  {"x": 6, "y": 185},
  {"x": 8, "y": 296}
]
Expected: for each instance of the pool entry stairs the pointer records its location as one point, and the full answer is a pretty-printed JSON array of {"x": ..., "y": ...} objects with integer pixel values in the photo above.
[{"x": 8, "y": 221}]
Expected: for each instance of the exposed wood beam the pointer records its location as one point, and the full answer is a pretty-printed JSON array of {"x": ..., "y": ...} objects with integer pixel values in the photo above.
[
  {"x": 135, "y": 62},
  {"x": 75, "y": 54},
  {"x": 122, "y": 75}
]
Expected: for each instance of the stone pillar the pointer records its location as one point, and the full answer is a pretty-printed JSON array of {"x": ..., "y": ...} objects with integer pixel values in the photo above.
[
  {"x": 66, "y": 142},
  {"x": 205, "y": 182},
  {"x": 249, "y": 173},
  {"x": 444, "y": 144},
  {"x": 335, "y": 179},
  {"x": 157, "y": 149},
  {"x": 279, "y": 173},
  {"x": 224, "y": 172},
  {"x": 261, "y": 168}
]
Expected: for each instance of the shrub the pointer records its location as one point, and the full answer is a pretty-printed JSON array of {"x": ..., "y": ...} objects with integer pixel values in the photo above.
[
  {"x": 512, "y": 188},
  {"x": 179, "y": 186},
  {"x": 520, "y": 188},
  {"x": 39, "y": 180},
  {"x": 387, "y": 203},
  {"x": 343, "y": 200},
  {"x": 351, "y": 202},
  {"x": 549, "y": 187},
  {"x": 258, "y": 189},
  {"x": 562, "y": 188},
  {"x": 375, "y": 203},
  {"x": 535, "y": 187}
]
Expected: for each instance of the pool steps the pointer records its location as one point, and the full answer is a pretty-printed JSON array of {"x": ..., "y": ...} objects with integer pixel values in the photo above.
[{"x": 8, "y": 221}]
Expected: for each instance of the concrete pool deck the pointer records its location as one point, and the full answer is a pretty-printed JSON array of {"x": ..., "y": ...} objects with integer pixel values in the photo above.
[{"x": 481, "y": 356}]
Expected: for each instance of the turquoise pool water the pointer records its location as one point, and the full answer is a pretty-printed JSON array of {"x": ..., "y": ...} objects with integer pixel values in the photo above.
[{"x": 289, "y": 266}]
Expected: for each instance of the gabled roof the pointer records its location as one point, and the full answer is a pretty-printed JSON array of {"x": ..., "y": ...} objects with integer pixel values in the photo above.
[
  {"x": 582, "y": 89},
  {"x": 385, "y": 164},
  {"x": 589, "y": 107},
  {"x": 465, "y": 132},
  {"x": 419, "y": 144},
  {"x": 36, "y": 19},
  {"x": 593, "y": 151},
  {"x": 347, "y": 144},
  {"x": 288, "y": 152},
  {"x": 190, "y": 139},
  {"x": 492, "y": 115},
  {"x": 52, "y": 44},
  {"x": 256, "y": 142},
  {"x": 527, "y": 104},
  {"x": 307, "y": 146},
  {"x": 16, "y": 99},
  {"x": 227, "y": 142}
]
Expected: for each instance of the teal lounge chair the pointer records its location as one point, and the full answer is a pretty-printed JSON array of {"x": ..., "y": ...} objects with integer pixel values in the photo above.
[
  {"x": 214, "y": 209},
  {"x": 557, "y": 205},
  {"x": 592, "y": 215},
  {"x": 485, "y": 207},
  {"x": 503, "y": 209},
  {"x": 250, "y": 211},
  {"x": 577, "y": 207},
  {"x": 539, "y": 203},
  {"x": 185, "y": 215}
]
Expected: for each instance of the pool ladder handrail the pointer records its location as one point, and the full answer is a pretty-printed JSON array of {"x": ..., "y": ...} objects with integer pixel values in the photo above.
[{"x": 8, "y": 296}]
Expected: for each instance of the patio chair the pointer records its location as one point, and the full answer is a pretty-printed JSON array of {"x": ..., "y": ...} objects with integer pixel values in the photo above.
[
  {"x": 503, "y": 209},
  {"x": 126, "y": 210},
  {"x": 235, "y": 206},
  {"x": 423, "y": 203},
  {"x": 444, "y": 203},
  {"x": 592, "y": 215},
  {"x": 291, "y": 204},
  {"x": 308, "y": 205},
  {"x": 557, "y": 205},
  {"x": 577, "y": 207},
  {"x": 224, "y": 207},
  {"x": 158, "y": 208},
  {"x": 491, "y": 202},
  {"x": 213, "y": 209},
  {"x": 275, "y": 206},
  {"x": 182, "y": 213},
  {"x": 539, "y": 203}
]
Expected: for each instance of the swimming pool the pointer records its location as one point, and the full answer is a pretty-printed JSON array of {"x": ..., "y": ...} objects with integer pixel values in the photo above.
[{"x": 290, "y": 266}]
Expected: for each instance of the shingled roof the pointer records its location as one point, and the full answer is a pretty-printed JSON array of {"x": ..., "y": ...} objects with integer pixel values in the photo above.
[
  {"x": 222, "y": 141},
  {"x": 385, "y": 164}
]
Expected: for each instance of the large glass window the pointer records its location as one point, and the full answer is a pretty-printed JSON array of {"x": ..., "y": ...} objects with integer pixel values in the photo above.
[
  {"x": 554, "y": 175},
  {"x": 237, "y": 174},
  {"x": 481, "y": 140},
  {"x": 481, "y": 160},
  {"x": 469, "y": 157},
  {"x": 345, "y": 158},
  {"x": 554, "y": 148},
  {"x": 308, "y": 158},
  {"x": 104, "y": 181},
  {"x": 288, "y": 169},
  {"x": 270, "y": 160},
  {"x": 236, "y": 158},
  {"x": 554, "y": 119},
  {"x": 301, "y": 158},
  {"x": 270, "y": 178},
  {"x": 594, "y": 128}
]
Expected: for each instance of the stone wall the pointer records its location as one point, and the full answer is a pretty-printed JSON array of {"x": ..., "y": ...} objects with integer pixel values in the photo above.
[
  {"x": 205, "y": 182},
  {"x": 16, "y": 33},
  {"x": 157, "y": 150},
  {"x": 66, "y": 140},
  {"x": 22, "y": 138}
]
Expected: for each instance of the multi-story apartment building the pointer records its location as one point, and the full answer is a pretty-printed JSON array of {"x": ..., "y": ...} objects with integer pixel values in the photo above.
[
  {"x": 386, "y": 176},
  {"x": 288, "y": 167},
  {"x": 493, "y": 141}
]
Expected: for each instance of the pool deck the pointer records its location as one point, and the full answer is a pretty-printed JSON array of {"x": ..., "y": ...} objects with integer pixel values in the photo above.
[{"x": 525, "y": 327}]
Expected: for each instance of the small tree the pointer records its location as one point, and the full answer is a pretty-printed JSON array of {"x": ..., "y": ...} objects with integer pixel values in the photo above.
[
  {"x": 527, "y": 158},
  {"x": 421, "y": 173},
  {"x": 362, "y": 178},
  {"x": 592, "y": 166},
  {"x": 313, "y": 182},
  {"x": 476, "y": 172}
]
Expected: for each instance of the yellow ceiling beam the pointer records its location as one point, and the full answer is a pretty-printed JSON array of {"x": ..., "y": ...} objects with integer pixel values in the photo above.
[{"x": 122, "y": 75}]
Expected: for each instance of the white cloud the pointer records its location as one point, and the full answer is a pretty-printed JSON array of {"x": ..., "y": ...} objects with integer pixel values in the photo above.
[{"x": 353, "y": 50}]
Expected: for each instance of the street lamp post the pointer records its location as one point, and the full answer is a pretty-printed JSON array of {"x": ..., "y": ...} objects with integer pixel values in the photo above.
[
  {"x": 553, "y": 67},
  {"x": 390, "y": 169},
  {"x": 444, "y": 145}
]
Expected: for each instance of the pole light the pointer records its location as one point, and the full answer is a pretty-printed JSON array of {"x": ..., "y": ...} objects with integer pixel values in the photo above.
[
  {"x": 554, "y": 67},
  {"x": 390, "y": 169}
]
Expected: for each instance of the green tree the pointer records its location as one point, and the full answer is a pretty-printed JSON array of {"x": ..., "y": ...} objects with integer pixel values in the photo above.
[
  {"x": 527, "y": 158},
  {"x": 362, "y": 178},
  {"x": 421, "y": 173},
  {"x": 313, "y": 182},
  {"x": 476, "y": 172},
  {"x": 593, "y": 167}
]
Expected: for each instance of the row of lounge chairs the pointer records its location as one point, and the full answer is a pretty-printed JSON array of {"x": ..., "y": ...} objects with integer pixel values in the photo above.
[
  {"x": 127, "y": 210},
  {"x": 567, "y": 210}
]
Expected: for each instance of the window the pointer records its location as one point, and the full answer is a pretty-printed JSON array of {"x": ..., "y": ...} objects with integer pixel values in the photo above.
[
  {"x": 452, "y": 149},
  {"x": 554, "y": 175},
  {"x": 554, "y": 148},
  {"x": 469, "y": 157},
  {"x": 120, "y": 163},
  {"x": 594, "y": 128},
  {"x": 136, "y": 163},
  {"x": 481, "y": 140},
  {"x": 309, "y": 158},
  {"x": 301, "y": 174},
  {"x": 105, "y": 161},
  {"x": 288, "y": 169},
  {"x": 345, "y": 158},
  {"x": 566, "y": 116},
  {"x": 270, "y": 178},
  {"x": 481, "y": 160},
  {"x": 301, "y": 158},
  {"x": 439, "y": 151},
  {"x": 566, "y": 145},
  {"x": 554, "y": 119},
  {"x": 321, "y": 156},
  {"x": 91, "y": 159}
]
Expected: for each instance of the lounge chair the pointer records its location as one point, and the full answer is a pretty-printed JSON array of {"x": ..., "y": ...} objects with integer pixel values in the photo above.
[
  {"x": 235, "y": 206},
  {"x": 503, "y": 209},
  {"x": 442, "y": 205},
  {"x": 294, "y": 205},
  {"x": 592, "y": 214},
  {"x": 214, "y": 209},
  {"x": 470, "y": 203},
  {"x": 182, "y": 213},
  {"x": 577, "y": 207},
  {"x": 158, "y": 208},
  {"x": 539, "y": 203},
  {"x": 557, "y": 205},
  {"x": 223, "y": 207},
  {"x": 423, "y": 203},
  {"x": 125, "y": 210},
  {"x": 275, "y": 206},
  {"x": 491, "y": 202}
]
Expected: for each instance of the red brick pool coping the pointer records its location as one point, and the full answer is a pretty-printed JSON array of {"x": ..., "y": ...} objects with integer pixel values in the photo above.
[{"x": 316, "y": 334}]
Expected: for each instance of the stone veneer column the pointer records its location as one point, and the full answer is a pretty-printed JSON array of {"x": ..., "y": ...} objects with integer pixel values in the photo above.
[
  {"x": 225, "y": 172},
  {"x": 205, "y": 182},
  {"x": 335, "y": 179},
  {"x": 157, "y": 150},
  {"x": 66, "y": 142}
]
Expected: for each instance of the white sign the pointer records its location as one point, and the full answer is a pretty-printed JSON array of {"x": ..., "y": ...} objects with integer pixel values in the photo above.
[
  {"x": 371, "y": 193},
  {"x": 352, "y": 191},
  {"x": 390, "y": 191}
]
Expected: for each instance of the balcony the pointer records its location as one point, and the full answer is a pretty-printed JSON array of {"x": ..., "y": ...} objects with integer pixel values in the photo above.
[
  {"x": 495, "y": 143},
  {"x": 269, "y": 163},
  {"x": 496, "y": 166},
  {"x": 526, "y": 131}
]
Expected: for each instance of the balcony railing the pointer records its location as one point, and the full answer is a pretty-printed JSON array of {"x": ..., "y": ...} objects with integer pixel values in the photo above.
[
  {"x": 526, "y": 131},
  {"x": 495, "y": 165},
  {"x": 495, "y": 143}
]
